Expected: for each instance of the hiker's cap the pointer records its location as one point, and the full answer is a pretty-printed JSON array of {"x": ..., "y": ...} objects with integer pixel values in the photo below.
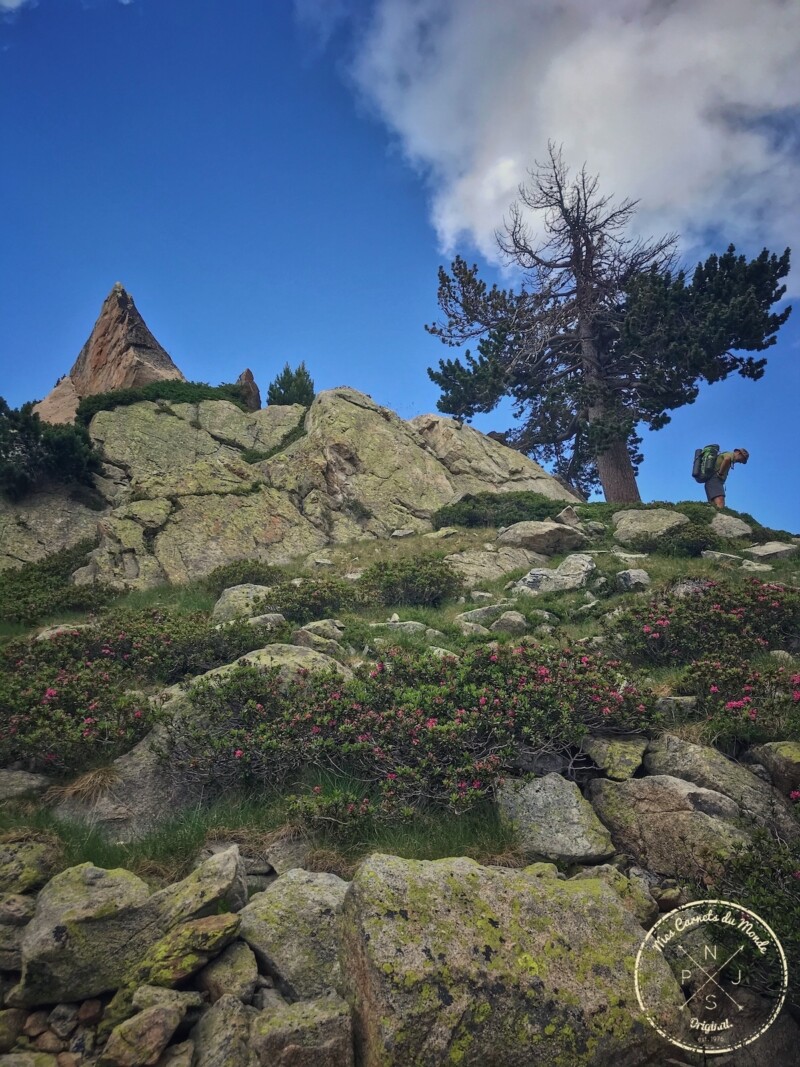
[{"x": 744, "y": 455}]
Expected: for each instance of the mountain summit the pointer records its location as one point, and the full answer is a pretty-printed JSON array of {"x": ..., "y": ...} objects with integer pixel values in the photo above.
[{"x": 121, "y": 353}]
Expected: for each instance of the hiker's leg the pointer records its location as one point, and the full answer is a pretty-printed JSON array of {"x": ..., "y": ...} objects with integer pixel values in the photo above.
[{"x": 718, "y": 501}]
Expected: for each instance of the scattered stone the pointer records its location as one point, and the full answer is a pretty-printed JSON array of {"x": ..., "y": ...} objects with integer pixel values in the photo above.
[
  {"x": 471, "y": 629},
  {"x": 782, "y": 655},
  {"x": 314, "y": 1033},
  {"x": 547, "y": 538},
  {"x": 238, "y": 601},
  {"x": 481, "y": 597},
  {"x": 181, "y": 1055},
  {"x": 691, "y": 587},
  {"x": 487, "y": 613},
  {"x": 63, "y": 1019},
  {"x": 271, "y": 621},
  {"x": 654, "y": 522},
  {"x": 782, "y": 760},
  {"x": 304, "y": 638},
  {"x": 184, "y": 950},
  {"x": 49, "y": 1042},
  {"x": 572, "y": 573},
  {"x": 288, "y": 852},
  {"x": 569, "y": 517},
  {"x": 510, "y": 622},
  {"x": 35, "y": 1024},
  {"x": 632, "y": 581},
  {"x": 445, "y": 531},
  {"x": 773, "y": 550},
  {"x": 729, "y": 526},
  {"x": 153, "y": 996},
  {"x": 720, "y": 557},
  {"x": 596, "y": 528},
  {"x": 90, "y": 1012},
  {"x": 619, "y": 758},
  {"x": 751, "y": 565},
  {"x": 399, "y": 534},
  {"x": 293, "y": 928},
  {"x": 553, "y": 821}
]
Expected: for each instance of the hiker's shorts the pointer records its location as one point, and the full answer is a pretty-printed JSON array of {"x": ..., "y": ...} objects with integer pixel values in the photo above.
[{"x": 714, "y": 487}]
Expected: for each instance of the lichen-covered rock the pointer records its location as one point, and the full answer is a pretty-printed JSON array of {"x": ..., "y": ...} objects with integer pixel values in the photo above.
[
  {"x": 480, "y": 565},
  {"x": 222, "y": 1036},
  {"x": 238, "y": 601},
  {"x": 572, "y": 573},
  {"x": 293, "y": 928},
  {"x": 25, "y": 865},
  {"x": 553, "y": 821},
  {"x": 632, "y": 580},
  {"x": 92, "y": 926},
  {"x": 620, "y": 758},
  {"x": 10, "y": 948},
  {"x": 184, "y": 950},
  {"x": 773, "y": 550},
  {"x": 21, "y": 783},
  {"x": 782, "y": 760},
  {"x": 139, "y": 1041},
  {"x": 452, "y": 962},
  {"x": 304, "y": 638},
  {"x": 668, "y": 825},
  {"x": 43, "y": 523},
  {"x": 313, "y": 1033},
  {"x": 632, "y": 891},
  {"x": 655, "y": 522},
  {"x": 548, "y": 538},
  {"x": 28, "y": 1059},
  {"x": 510, "y": 622},
  {"x": 707, "y": 767},
  {"x": 235, "y": 972}
]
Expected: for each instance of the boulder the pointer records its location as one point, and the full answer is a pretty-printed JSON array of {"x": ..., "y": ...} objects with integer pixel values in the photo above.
[
  {"x": 478, "y": 566},
  {"x": 238, "y": 601},
  {"x": 486, "y": 614},
  {"x": 553, "y": 821},
  {"x": 631, "y": 889},
  {"x": 44, "y": 522},
  {"x": 751, "y": 565},
  {"x": 782, "y": 760},
  {"x": 314, "y": 1033},
  {"x": 726, "y": 558},
  {"x": 235, "y": 972},
  {"x": 12, "y": 1021},
  {"x": 772, "y": 550},
  {"x": 183, "y": 950},
  {"x": 707, "y": 767},
  {"x": 450, "y": 962},
  {"x": 25, "y": 865},
  {"x": 547, "y": 538},
  {"x": 669, "y": 826},
  {"x": 632, "y": 581},
  {"x": 304, "y": 638},
  {"x": 293, "y": 928},
  {"x": 654, "y": 522},
  {"x": 139, "y": 1041},
  {"x": 569, "y": 517},
  {"x": 572, "y": 573},
  {"x": 222, "y": 1036},
  {"x": 619, "y": 758},
  {"x": 92, "y": 927},
  {"x": 730, "y": 527},
  {"x": 15, "y": 784},
  {"x": 510, "y": 622}
]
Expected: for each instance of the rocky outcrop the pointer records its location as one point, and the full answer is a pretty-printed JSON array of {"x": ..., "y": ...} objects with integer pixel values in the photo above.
[
  {"x": 251, "y": 395},
  {"x": 43, "y": 523},
  {"x": 121, "y": 353},
  {"x": 653, "y": 523}
]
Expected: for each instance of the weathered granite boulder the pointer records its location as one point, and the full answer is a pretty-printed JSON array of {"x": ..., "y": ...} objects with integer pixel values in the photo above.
[
  {"x": 25, "y": 865},
  {"x": 620, "y": 758},
  {"x": 730, "y": 527},
  {"x": 631, "y": 889},
  {"x": 140, "y": 1040},
  {"x": 668, "y": 825},
  {"x": 633, "y": 581},
  {"x": 238, "y": 601},
  {"x": 313, "y": 1033},
  {"x": 548, "y": 538},
  {"x": 235, "y": 972},
  {"x": 222, "y": 1036},
  {"x": 43, "y": 523},
  {"x": 293, "y": 928},
  {"x": 572, "y": 573},
  {"x": 782, "y": 760},
  {"x": 707, "y": 767},
  {"x": 655, "y": 522},
  {"x": 452, "y": 962},
  {"x": 92, "y": 926},
  {"x": 553, "y": 821},
  {"x": 510, "y": 622},
  {"x": 772, "y": 550},
  {"x": 480, "y": 565}
]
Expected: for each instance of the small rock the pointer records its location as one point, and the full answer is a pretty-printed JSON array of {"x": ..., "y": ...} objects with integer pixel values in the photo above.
[
  {"x": 50, "y": 1042},
  {"x": 90, "y": 1012},
  {"x": 632, "y": 581},
  {"x": 178, "y": 1055},
  {"x": 751, "y": 565},
  {"x": 446, "y": 531},
  {"x": 16, "y": 909},
  {"x": 12, "y": 1021},
  {"x": 471, "y": 628},
  {"x": 596, "y": 528},
  {"x": 63, "y": 1019},
  {"x": 729, "y": 526},
  {"x": 773, "y": 550},
  {"x": 222, "y": 1036},
  {"x": 35, "y": 1024},
  {"x": 25, "y": 865},
  {"x": 68, "y": 1059},
  {"x": 510, "y": 622},
  {"x": 720, "y": 557},
  {"x": 569, "y": 517},
  {"x": 480, "y": 596},
  {"x": 618, "y": 757},
  {"x": 398, "y": 534},
  {"x": 782, "y": 655}
]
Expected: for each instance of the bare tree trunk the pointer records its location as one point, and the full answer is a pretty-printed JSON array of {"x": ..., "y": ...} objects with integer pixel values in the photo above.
[{"x": 616, "y": 475}]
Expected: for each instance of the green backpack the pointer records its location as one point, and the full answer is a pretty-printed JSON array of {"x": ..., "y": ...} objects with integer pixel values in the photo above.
[{"x": 705, "y": 462}]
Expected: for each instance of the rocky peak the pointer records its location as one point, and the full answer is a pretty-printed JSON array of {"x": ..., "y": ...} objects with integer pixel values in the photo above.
[
  {"x": 121, "y": 353},
  {"x": 250, "y": 391}
]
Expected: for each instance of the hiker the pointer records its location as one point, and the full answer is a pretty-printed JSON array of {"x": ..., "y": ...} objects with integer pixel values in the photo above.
[{"x": 715, "y": 486}]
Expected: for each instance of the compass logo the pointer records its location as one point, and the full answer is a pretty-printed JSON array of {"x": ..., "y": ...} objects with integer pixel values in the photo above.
[{"x": 732, "y": 972}]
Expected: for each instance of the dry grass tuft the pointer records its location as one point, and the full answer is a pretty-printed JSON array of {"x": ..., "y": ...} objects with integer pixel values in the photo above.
[
  {"x": 87, "y": 788},
  {"x": 329, "y": 861},
  {"x": 253, "y": 842},
  {"x": 511, "y": 857}
]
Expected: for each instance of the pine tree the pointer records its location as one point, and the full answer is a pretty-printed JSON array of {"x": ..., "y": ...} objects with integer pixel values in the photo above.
[
  {"x": 604, "y": 334},
  {"x": 291, "y": 387}
]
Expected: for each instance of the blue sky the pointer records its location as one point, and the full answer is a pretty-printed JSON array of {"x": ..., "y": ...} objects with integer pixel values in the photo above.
[{"x": 278, "y": 181}]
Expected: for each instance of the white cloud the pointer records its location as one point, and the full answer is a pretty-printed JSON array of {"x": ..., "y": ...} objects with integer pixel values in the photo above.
[
  {"x": 7, "y": 6},
  {"x": 690, "y": 105}
]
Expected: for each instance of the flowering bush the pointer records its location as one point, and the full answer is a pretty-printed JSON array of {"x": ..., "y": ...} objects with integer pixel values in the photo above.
[
  {"x": 43, "y": 588},
  {"x": 426, "y": 581},
  {"x": 741, "y": 704},
  {"x": 721, "y": 620},
  {"x": 414, "y": 728}
]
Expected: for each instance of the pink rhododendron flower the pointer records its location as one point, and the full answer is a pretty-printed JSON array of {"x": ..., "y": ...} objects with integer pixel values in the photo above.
[{"x": 238, "y": 753}]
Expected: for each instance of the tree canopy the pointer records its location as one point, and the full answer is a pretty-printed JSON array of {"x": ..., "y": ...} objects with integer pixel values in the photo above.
[
  {"x": 603, "y": 334},
  {"x": 291, "y": 387},
  {"x": 33, "y": 452}
]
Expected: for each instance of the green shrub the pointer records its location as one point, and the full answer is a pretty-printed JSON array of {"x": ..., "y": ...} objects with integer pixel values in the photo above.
[
  {"x": 738, "y": 704},
  {"x": 242, "y": 572},
  {"x": 413, "y": 729},
  {"x": 497, "y": 509},
  {"x": 170, "y": 389},
  {"x": 310, "y": 598},
  {"x": 33, "y": 453},
  {"x": 421, "y": 581},
  {"x": 718, "y": 621},
  {"x": 691, "y": 539},
  {"x": 40, "y": 590}
]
